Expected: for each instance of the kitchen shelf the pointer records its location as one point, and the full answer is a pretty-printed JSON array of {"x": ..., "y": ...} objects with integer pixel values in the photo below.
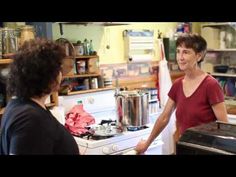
[
  {"x": 222, "y": 50},
  {"x": 6, "y": 61},
  {"x": 218, "y": 24},
  {"x": 215, "y": 39},
  {"x": 82, "y": 56},
  {"x": 90, "y": 91},
  {"x": 80, "y": 76},
  {"x": 223, "y": 74}
]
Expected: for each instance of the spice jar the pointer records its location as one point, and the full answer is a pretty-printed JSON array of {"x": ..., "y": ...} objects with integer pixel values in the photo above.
[{"x": 27, "y": 33}]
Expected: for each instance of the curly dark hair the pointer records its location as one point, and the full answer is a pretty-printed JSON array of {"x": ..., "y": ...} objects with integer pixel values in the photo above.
[
  {"x": 35, "y": 68},
  {"x": 193, "y": 41}
]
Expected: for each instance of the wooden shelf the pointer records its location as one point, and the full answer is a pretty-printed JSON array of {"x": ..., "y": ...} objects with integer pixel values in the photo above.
[
  {"x": 82, "y": 56},
  {"x": 217, "y": 24},
  {"x": 223, "y": 74},
  {"x": 222, "y": 50},
  {"x": 5, "y": 61},
  {"x": 80, "y": 75},
  {"x": 90, "y": 91}
]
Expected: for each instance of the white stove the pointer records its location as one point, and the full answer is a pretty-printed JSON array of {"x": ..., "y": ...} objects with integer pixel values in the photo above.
[
  {"x": 119, "y": 144},
  {"x": 102, "y": 106}
]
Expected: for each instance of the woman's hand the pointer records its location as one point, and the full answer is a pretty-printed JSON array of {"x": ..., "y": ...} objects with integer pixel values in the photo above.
[{"x": 141, "y": 147}]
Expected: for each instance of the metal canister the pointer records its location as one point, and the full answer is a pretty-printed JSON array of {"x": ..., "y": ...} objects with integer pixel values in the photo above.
[
  {"x": 86, "y": 84},
  {"x": 94, "y": 83}
]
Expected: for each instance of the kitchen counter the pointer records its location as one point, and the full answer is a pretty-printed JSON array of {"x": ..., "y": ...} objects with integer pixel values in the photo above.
[{"x": 232, "y": 118}]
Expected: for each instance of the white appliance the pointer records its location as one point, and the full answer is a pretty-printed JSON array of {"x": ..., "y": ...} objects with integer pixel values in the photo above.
[
  {"x": 139, "y": 45},
  {"x": 119, "y": 144},
  {"x": 102, "y": 106}
]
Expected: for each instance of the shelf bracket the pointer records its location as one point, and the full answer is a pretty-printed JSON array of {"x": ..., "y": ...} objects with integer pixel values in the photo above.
[{"x": 61, "y": 28}]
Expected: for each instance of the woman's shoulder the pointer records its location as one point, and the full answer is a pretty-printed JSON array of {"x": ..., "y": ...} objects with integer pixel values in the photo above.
[
  {"x": 22, "y": 108},
  {"x": 211, "y": 80}
]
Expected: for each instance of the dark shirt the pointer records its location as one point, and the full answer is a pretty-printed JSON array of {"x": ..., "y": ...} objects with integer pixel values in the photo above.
[{"x": 27, "y": 128}]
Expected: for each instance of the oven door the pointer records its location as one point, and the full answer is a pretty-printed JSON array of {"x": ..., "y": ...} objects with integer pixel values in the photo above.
[{"x": 154, "y": 149}]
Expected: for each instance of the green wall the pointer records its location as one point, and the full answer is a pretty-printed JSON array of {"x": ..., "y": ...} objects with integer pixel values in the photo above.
[{"x": 112, "y": 36}]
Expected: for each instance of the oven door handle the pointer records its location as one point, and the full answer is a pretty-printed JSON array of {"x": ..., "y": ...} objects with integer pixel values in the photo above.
[{"x": 129, "y": 151}]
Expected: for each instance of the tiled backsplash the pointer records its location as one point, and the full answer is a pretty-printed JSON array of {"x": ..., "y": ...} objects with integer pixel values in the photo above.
[{"x": 129, "y": 69}]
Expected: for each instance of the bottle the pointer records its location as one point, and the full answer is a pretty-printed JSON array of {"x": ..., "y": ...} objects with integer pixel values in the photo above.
[
  {"x": 86, "y": 47},
  {"x": 80, "y": 48},
  {"x": 91, "y": 47},
  {"x": 80, "y": 104},
  {"x": 179, "y": 31}
]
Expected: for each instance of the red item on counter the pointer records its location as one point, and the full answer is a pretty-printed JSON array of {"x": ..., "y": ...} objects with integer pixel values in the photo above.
[{"x": 77, "y": 119}]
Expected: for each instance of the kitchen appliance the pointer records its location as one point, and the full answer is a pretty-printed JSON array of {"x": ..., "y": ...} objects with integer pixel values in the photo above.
[
  {"x": 139, "y": 45},
  {"x": 212, "y": 138},
  {"x": 105, "y": 110},
  {"x": 132, "y": 107},
  {"x": 120, "y": 144}
]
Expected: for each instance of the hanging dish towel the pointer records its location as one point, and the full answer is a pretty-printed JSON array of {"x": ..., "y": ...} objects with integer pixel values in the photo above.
[{"x": 165, "y": 84}]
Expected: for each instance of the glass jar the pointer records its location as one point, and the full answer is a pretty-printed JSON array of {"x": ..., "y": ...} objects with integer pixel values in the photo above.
[
  {"x": 27, "y": 33},
  {"x": 9, "y": 42}
]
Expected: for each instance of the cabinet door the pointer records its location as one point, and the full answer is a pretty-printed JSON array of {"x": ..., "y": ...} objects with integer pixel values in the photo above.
[{"x": 93, "y": 67}]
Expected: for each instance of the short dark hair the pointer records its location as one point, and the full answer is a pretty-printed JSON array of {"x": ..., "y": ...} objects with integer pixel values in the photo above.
[
  {"x": 193, "y": 41},
  {"x": 35, "y": 68}
]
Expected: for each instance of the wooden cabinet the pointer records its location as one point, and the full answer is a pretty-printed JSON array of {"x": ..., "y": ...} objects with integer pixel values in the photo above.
[
  {"x": 81, "y": 74},
  {"x": 220, "y": 60}
]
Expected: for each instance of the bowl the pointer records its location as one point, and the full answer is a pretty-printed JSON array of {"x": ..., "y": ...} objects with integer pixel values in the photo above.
[{"x": 221, "y": 68}]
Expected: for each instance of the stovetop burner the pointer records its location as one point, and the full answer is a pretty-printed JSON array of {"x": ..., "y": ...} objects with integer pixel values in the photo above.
[
  {"x": 136, "y": 128},
  {"x": 106, "y": 129},
  {"x": 91, "y": 136}
]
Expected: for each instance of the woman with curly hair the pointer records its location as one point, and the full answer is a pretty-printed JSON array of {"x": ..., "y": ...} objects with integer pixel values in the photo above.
[{"x": 28, "y": 127}]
